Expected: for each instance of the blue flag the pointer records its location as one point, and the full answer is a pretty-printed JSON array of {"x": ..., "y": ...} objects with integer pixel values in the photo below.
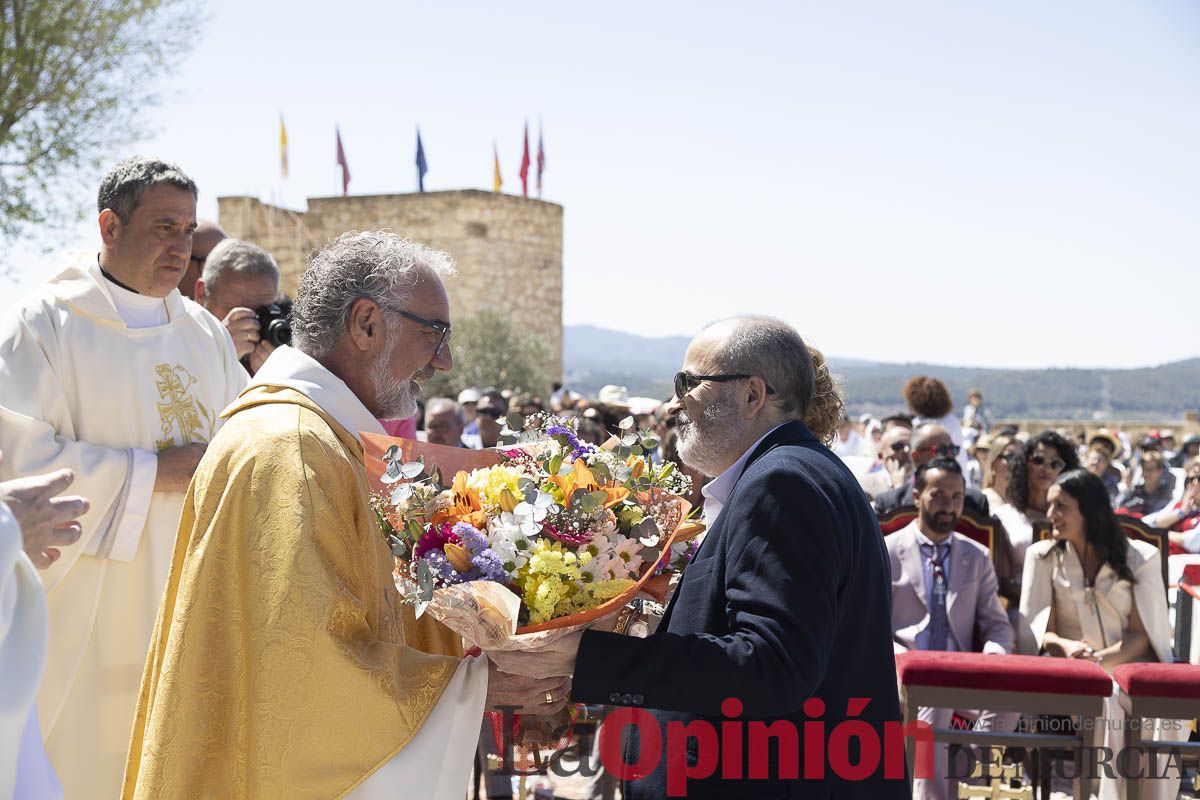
[{"x": 422, "y": 167}]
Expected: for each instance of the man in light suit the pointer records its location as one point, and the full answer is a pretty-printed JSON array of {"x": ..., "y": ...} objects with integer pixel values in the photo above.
[{"x": 945, "y": 596}]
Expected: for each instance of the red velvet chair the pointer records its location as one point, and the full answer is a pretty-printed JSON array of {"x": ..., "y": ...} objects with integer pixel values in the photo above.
[
  {"x": 1026, "y": 684},
  {"x": 1168, "y": 691}
]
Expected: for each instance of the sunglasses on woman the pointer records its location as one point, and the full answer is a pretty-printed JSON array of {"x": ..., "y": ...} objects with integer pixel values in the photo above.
[{"x": 1056, "y": 464}]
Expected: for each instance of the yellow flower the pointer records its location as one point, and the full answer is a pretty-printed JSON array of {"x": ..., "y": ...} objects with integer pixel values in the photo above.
[{"x": 491, "y": 484}]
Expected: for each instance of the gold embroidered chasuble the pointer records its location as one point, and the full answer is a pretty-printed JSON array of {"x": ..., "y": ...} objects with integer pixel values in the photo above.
[
  {"x": 284, "y": 663},
  {"x": 80, "y": 389}
]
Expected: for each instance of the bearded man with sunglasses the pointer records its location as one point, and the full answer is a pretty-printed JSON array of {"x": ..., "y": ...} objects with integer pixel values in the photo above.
[
  {"x": 929, "y": 441},
  {"x": 786, "y": 603},
  {"x": 284, "y": 662}
]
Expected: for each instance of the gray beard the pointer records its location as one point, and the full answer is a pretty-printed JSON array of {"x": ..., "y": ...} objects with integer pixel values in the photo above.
[
  {"x": 394, "y": 399},
  {"x": 705, "y": 443}
]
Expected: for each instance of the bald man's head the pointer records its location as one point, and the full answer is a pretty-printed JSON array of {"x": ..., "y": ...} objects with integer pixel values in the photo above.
[
  {"x": 207, "y": 236},
  {"x": 930, "y": 441}
]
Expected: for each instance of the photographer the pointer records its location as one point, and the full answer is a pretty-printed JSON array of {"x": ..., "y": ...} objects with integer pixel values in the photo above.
[{"x": 238, "y": 286}]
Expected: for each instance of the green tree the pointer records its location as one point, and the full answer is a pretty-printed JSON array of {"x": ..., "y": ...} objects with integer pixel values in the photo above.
[
  {"x": 489, "y": 350},
  {"x": 75, "y": 79}
]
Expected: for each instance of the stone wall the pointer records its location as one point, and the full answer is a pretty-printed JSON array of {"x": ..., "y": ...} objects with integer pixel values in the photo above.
[{"x": 508, "y": 249}]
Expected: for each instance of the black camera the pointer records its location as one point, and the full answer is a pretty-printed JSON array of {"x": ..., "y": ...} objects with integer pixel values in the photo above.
[{"x": 275, "y": 323}]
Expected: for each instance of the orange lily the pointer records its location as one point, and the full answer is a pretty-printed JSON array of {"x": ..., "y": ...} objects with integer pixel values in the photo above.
[
  {"x": 582, "y": 479},
  {"x": 458, "y": 556},
  {"x": 467, "y": 505}
]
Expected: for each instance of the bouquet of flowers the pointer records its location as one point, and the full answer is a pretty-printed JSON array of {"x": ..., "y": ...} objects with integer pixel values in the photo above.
[
  {"x": 571, "y": 531},
  {"x": 514, "y": 547}
]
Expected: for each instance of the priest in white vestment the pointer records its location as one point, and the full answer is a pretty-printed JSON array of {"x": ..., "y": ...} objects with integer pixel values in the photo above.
[
  {"x": 108, "y": 371},
  {"x": 284, "y": 662}
]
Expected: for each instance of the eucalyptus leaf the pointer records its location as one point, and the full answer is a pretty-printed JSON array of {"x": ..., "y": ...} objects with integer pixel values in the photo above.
[
  {"x": 629, "y": 439},
  {"x": 515, "y": 421},
  {"x": 601, "y": 472},
  {"x": 646, "y": 532},
  {"x": 525, "y": 483},
  {"x": 391, "y": 475},
  {"x": 412, "y": 469},
  {"x": 425, "y": 579},
  {"x": 527, "y": 437},
  {"x": 623, "y": 474},
  {"x": 421, "y": 606},
  {"x": 402, "y": 493},
  {"x": 626, "y": 424},
  {"x": 649, "y": 442}
]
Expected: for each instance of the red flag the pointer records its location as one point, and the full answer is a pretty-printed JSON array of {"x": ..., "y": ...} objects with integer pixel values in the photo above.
[
  {"x": 541, "y": 159},
  {"x": 525, "y": 164},
  {"x": 341, "y": 160}
]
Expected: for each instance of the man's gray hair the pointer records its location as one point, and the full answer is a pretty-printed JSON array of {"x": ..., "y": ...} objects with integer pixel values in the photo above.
[
  {"x": 772, "y": 350},
  {"x": 439, "y": 404},
  {"x": 377, "y": 265},
  {"x": 125, "y": 184},
  {"x": 234, "y": 255}
]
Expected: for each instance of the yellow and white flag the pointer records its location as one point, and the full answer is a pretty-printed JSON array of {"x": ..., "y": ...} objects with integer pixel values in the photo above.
[{"x": 282, "y": 147}]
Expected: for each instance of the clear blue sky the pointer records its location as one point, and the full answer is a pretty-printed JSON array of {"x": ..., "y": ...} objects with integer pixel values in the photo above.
[{"x": 997, "y": 184}]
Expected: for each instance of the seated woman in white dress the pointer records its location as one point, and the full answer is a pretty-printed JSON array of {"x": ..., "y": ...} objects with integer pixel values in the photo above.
[{"x": 1091, "y": 593}]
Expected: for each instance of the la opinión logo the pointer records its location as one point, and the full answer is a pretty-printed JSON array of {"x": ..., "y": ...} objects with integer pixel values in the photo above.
[{"x": 853, "y": 749}]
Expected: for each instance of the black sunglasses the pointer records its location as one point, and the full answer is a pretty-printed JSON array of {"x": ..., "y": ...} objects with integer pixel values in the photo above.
[
  {"x": 684, "y": 382},
  {"x": 441, "y": 327},
  {"x": 1056, "y": 464}
]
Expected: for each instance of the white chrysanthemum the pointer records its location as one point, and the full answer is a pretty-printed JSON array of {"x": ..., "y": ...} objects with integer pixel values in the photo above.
[
  {"x": 510, "y": 541},
  {"x": 627, "y": 551},
  {"x": 594, "y": 570}
]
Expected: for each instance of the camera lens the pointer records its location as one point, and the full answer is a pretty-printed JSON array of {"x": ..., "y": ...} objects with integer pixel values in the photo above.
[{"x": 279, "y": 332}]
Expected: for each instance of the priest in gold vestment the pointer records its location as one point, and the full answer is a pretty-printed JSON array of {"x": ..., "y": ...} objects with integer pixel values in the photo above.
[
  {"x": 108, "y": 371},
  {"x": 284, "y": 663}
]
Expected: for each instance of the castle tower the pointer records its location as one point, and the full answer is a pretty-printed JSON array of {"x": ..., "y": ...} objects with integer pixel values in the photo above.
[{"x": 508, "y": 249}]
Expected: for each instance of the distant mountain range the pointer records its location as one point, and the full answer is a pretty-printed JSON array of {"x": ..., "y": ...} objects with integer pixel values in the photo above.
[{"x": 595, "y": 357}]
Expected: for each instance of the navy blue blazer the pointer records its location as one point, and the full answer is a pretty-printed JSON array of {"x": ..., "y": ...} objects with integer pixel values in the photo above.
[{"x": 788, "y": 598}]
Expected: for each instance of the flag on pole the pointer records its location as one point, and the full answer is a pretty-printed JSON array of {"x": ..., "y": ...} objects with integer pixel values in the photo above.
[
  {"x": 341, "y": 160},
  {"x": 422, "y": 167},
  {"x": 525, "y": 164},
  {"x": 496, "y": 182},
  {"x": 541, "y": 159},
  {"x": 282, "y": 147}
]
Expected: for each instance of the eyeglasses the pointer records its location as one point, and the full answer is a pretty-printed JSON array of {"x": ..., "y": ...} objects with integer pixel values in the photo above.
[
  {"x": 441, "y": 327},
  {"x": 1056, "y": 464},
  {"x": 490, "y": 413},
  {"x": 684, "y": 382}
]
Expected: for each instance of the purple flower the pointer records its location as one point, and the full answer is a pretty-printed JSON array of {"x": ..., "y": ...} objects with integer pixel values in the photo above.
[{"x": 578, "y": 449}]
